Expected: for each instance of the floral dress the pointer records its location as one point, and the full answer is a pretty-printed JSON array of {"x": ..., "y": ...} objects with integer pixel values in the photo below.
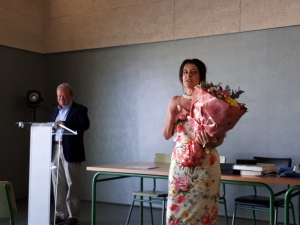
[{"x": 193, "y": 192}]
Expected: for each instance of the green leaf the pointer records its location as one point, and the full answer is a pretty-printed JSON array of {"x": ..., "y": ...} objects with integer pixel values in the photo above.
[
  {"x": 202, "y": 84},
  {"x": 227, "y": 88},
  {"x": 195, "y": 177},
  {"x": 236, "y": 94}
]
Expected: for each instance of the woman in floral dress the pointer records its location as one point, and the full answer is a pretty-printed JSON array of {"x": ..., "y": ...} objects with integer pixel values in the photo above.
[{"x": 193, "y": 191}]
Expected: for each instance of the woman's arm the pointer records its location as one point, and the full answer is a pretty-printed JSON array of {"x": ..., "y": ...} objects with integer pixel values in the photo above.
[{"x": 172, "y": 112}]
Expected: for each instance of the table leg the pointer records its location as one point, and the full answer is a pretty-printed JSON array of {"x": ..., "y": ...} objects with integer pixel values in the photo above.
[
  {"x": 115, "y": 177},
  {"x": 287, "y": 200},
  {"x": 141, "y": 203},
  {"x": 298, "y": 208},
  {"x": 94, "y": 192}
]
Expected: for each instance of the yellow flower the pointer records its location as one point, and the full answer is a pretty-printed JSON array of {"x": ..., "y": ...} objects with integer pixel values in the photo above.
[
  {"x": 192, "y": 222},
  {"x": 198, "y": 183},
  {"x": 185, "y": 214},
  {"x": 172, "y": 187},
  {"x": 173, "y": 191},
  {"x": 192, "y": 190},
  {"x": 208, "y": 183},
  {"x": 231, "y": 101},
  {"x": 174, "y": 194}
]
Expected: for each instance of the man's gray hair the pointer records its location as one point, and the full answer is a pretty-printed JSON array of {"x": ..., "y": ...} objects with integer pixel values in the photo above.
[{"x": 66, "y": 85}]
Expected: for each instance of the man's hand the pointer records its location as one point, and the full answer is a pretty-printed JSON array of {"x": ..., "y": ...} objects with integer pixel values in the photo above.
[{"x": 60, "y": 122}]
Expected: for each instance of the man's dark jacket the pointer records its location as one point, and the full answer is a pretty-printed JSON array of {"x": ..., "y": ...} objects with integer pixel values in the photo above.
[{"x": 77, "y": 120}]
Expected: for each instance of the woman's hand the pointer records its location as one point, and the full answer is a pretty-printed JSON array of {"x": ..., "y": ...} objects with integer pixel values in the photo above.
[{"x": 205, "y": 140}]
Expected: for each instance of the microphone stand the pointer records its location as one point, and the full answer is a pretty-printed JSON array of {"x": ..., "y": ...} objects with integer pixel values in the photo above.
[{"x": 34, "y": 114}]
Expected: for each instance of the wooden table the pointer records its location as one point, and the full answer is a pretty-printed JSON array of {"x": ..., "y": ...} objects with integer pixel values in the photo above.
[
  {"x": 161, "y": 171},
  {"x": 263, "y": 182}
]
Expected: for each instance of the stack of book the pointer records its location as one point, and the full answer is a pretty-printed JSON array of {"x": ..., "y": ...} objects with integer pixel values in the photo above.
[{"x": 258, "y": 169}]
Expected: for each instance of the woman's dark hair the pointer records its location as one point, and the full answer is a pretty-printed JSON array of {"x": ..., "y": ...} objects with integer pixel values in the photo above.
[{"x": 200, "y": 65}]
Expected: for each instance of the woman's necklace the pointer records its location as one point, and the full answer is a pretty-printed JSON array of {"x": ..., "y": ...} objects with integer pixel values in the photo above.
[{"x": 189, "y": 97}]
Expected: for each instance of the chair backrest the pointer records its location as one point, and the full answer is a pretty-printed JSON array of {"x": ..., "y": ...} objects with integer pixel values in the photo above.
[
  {"x": 222, "y": 159},
  {"x": 162, "y": 158},
  {"x": 279, "y": 162},
  {"x": 8, "y": 206}
]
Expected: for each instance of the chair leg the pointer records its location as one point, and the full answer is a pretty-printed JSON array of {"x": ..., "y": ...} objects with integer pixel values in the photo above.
[
  {"x": 151, "y": 212},
  {"x": 293, "y": 213},
  {"x": 233, "y": 216},
  {"x": 254, "y": 217},
  {"x": 225, "y": 209},
  {"x": 276, "y": 216},
  {"x": 163, "y": 219},
  {"x": 130, "y": 210}
]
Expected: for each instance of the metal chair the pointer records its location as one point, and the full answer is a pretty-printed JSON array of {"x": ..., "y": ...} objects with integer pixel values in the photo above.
[
  {"x": 8, "y": 207},
  {"x": 262, "y": 203},
  {"x": 222, "y": 199},
  {"x": 153, "y": 195}
]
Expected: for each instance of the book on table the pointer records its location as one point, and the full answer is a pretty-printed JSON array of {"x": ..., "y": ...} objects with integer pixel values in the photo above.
[
  {"x": 270, "y": 172},
  {"x": 256, "y": 167}
]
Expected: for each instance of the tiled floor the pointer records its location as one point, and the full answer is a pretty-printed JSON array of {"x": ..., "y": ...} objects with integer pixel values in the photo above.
[{"x": 110, "y": 214}]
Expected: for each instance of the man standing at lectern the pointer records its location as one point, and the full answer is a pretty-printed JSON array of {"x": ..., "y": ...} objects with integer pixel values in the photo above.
[{"x": 67, "y": 155}]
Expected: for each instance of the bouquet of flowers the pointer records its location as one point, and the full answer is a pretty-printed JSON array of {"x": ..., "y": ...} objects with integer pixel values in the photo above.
[{"x": 214, "y": 110}]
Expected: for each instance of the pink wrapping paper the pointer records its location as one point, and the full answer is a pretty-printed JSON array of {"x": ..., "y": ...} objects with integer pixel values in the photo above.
[{"x": 213, "y": 115}]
